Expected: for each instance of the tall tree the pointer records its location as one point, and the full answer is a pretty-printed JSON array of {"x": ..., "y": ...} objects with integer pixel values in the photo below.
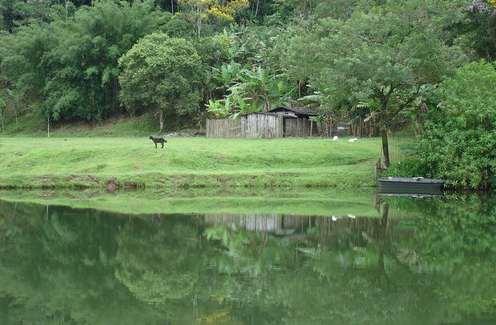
[
  {"x": 383, "y": 57},
  {"x": 161, "y": 74}
]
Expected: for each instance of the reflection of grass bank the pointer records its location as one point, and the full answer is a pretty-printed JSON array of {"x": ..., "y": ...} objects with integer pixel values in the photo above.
[
  {"x": 187, "y": 162},
  {"x": 308, "y": 202}
]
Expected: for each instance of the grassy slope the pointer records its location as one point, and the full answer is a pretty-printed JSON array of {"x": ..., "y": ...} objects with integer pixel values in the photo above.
[
  {"x": 188, "y": 162},
  {"x": 315, "y": 202}
]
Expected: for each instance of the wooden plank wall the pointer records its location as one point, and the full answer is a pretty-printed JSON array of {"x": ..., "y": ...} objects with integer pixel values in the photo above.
[
  {"x": 250, "y": 126},
  {"x": 262, "y": 126},
  {"x": 297, "y": 127},
  {"x": 274, "y": 126},
  {"x": 225, "y": 128}
]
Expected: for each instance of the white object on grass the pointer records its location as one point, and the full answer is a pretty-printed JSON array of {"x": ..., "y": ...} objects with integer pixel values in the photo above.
[
  {"x": 335, "y": 138},
  {"x": 353, "y": 140}
]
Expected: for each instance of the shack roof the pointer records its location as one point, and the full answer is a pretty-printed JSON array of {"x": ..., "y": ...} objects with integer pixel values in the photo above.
[{"x": 298, "y": 111}]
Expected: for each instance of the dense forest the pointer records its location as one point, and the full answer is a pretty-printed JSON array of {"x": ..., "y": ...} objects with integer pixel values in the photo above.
[{"x": 423, "y": 63}]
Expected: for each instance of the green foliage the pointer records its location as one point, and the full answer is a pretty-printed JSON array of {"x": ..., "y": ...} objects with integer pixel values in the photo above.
[
  {"x": 72, "y": 64},
  {"x": 249, "y": 91},
  {"x": 161, "y": 73},
  {"x": 84, "y": 67},
  {"x": 15, "y": 13},
  {"x": 23, "y": 59},
  {"x": 459, "y": 143}
]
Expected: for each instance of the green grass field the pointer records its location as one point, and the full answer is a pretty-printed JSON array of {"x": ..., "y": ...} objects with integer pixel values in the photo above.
[{"x": 187, "y": 162}]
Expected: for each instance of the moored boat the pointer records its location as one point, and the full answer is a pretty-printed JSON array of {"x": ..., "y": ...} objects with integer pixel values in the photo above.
[{"x": 411, "y": 185}]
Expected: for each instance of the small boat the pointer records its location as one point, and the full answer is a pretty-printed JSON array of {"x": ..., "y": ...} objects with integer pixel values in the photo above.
[{"x": 411, "y": 185}]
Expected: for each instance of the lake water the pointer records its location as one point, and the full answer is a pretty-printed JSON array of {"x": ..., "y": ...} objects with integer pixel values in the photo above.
[{"x": 359, "y": 260}]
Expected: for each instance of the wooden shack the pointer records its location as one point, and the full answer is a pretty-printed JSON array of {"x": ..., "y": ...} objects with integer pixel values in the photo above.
[
  {"x": 297, "y": 121},
  {"x": 277, "y": 123}
]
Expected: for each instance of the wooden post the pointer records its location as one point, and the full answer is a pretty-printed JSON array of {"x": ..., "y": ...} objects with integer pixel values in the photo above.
[
  {"x": 48, "y": 126},
  {"x": 161, "y": 120}
]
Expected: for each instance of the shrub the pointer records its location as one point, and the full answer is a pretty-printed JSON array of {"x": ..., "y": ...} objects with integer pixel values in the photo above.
[{"x": 459, "y": 141}]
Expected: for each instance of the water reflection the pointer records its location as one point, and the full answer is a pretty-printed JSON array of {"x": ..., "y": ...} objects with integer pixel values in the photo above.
[{"x": 432, "y": 262}]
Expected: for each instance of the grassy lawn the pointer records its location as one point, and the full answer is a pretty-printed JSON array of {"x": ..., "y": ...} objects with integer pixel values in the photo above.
[{"x": 187, "y": 162}]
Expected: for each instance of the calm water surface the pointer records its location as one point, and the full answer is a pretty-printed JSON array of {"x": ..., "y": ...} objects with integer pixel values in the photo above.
[{"x": 417, "y": 261}]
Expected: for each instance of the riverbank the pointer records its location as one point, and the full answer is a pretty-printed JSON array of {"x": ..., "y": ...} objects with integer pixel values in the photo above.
[{"x": 186, "y": 163}]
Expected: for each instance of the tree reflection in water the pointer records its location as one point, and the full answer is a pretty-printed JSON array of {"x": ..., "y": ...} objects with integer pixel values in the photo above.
[{"x": 432, "y": 262}]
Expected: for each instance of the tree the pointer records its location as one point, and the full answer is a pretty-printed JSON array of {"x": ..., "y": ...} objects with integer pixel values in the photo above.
[
  {"x": 383, "y": 57},
  {"x": 23, "y": 59},
  {"x": 161, "y": 74}
]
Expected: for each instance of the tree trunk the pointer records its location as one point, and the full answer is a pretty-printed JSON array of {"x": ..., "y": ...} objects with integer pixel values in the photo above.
[
  {"x": 172, "y": 6},
  {"x": 198, "y": 21},
  {"x": 161, "y": 120},
  {"x": 385, "y": 147}
]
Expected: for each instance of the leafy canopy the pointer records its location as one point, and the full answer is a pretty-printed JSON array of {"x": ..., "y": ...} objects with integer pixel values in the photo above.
[{"x": 161, "y": 74}]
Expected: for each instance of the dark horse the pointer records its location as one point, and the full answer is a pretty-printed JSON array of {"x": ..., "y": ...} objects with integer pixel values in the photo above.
[{"x": 158, "y": 140}]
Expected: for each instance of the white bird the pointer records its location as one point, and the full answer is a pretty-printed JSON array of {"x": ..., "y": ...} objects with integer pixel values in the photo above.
[
  {"x": 351, "y": 216},
  {"x": 353, "y": 140},
  {"x": 335, "y": 138},
  {"x": 334, "y": 219}
]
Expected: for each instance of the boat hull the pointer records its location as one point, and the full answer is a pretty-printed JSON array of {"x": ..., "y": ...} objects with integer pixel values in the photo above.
[{"x": 411, "y": 186}]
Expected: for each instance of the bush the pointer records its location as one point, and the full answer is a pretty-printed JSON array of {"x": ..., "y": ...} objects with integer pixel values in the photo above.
[
  {"x": 409, "y": 167},
  {"x": 459, "y": 141}
]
